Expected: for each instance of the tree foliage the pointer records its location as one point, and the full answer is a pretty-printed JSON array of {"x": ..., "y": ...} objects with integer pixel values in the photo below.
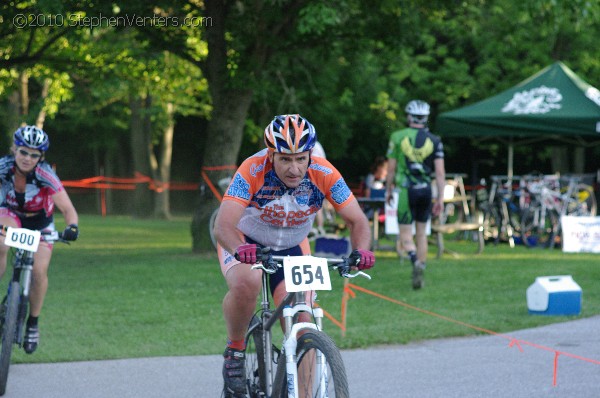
[{"x": 349, "y": 66}]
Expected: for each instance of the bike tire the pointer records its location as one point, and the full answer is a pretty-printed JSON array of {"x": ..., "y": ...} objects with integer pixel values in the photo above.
[
  {"x": 211, "y": 227},
  {"x": 311, "y": 342},
  {"x": 255, "y": 360},
  {"x": 491, "y": 225},
  {"x": 8, "y": 333},
  {"x": 535, "y": 235}
]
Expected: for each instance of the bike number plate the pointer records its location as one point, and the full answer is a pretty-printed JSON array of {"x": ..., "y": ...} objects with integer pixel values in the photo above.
[
  {"x": 22, "y": 238},
  {"x": 303, "y": 273}
]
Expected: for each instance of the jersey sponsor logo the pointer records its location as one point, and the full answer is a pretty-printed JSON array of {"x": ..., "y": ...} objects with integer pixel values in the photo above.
[
  {"x": 417, "y": 154},
  {"x": 239, "y": 188},
  {"x": 321, "y": 168},
  {"x": 340, "y": 192},
  {"x": 255, "y": 169},
  {"x": 302, "y": 195},
  {"x": 277, "y": 216}
]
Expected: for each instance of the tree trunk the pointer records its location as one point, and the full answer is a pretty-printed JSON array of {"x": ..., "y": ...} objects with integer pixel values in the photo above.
[
  {"x": 140, "y": 137},
  {"x": 13, "y": 118},
  {"x": 41, "y": 117},
  {"x": 579, "y": 160},
  {"x": 560, "y": 160},
  {"x": 225, "y": 133},
  {"x": 162, "y": 208},
  {"x": 24, "y": 95}
]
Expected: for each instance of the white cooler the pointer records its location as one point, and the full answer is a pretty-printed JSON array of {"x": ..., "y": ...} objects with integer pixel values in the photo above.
[{"x": 554, "y": 295}]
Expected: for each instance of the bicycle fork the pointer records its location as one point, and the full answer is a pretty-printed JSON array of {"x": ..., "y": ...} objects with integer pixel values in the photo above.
[
  {"x": 24, "y": 276},
  {"x": 290, "y": 344}
]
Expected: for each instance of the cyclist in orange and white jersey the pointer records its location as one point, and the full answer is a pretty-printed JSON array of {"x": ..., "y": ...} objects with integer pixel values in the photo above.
[{"x": 271, "y": 202}]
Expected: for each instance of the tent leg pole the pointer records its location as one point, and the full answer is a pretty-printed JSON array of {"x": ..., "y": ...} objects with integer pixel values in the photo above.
[{"x": 511, "y": 154}]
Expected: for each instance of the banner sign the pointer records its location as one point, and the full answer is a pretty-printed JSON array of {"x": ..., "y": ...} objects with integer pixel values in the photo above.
[
  {"x": 580, "y": 234},
  {"x": 391, "y": 215}
]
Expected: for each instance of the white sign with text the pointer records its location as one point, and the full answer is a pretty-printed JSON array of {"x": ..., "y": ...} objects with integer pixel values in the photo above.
[{"x": 580, "y": 234}]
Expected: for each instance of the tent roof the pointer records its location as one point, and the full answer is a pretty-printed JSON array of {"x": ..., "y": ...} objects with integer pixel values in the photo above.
[{"x": 554, "y": 101}]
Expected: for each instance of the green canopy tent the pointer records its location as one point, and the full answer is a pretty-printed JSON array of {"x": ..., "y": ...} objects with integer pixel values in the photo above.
[{"x": 552, "y": 104}]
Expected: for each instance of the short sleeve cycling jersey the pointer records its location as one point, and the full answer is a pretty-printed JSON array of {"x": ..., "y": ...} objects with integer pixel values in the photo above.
[
  {"x": 277, "y": 216},
  {"x": 415, "y": 151},
  {"x": 34, "y": 206}
]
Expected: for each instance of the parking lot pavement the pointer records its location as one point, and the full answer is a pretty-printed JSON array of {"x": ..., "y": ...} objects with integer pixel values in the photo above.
[{"x": 484, "y": 366}]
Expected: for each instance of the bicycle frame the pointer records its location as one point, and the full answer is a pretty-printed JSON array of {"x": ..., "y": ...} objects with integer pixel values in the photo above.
[
  {"x": 13, "y": 324},
  {"x": 291, "y": 306}
]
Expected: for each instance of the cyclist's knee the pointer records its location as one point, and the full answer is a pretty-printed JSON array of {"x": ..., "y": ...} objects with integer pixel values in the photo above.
[{"x": 246, "y": 286}]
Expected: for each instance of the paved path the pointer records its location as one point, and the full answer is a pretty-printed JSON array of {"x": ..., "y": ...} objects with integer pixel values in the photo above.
[{"x": 463, "y": 367}]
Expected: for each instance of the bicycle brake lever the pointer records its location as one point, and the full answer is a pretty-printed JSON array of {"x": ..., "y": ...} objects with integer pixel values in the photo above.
[
  {"x": 361, "y": 273},
  {"x": 345, "y": 272},
  {"x": 344, "y": 269}
]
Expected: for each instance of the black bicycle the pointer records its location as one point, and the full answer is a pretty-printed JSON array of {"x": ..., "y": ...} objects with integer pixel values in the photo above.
[{"x": 15, "y": 306}]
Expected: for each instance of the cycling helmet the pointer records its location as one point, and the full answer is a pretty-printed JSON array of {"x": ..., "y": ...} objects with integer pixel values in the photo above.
[
  {"x": 31, "y": 137},
  {"x": 290, "y": 134},
  {"x": 418, "y": 111}
]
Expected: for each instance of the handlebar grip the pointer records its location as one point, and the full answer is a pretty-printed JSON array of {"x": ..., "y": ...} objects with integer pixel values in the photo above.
[{"x": 259, "y": 253}]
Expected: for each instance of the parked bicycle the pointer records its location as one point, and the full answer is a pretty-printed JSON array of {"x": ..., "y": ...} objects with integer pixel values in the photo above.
[
  {"x": 540, "y": 221},
  {"x": 308, "y": 364},
  {"x": 14, "y": 308},
  {"x": 500, "y": 210}
]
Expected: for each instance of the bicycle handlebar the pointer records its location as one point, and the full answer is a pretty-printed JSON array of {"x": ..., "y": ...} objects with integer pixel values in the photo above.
[
  {"x": 270, "y": 263},
  {"x": 47, "y": 236}
]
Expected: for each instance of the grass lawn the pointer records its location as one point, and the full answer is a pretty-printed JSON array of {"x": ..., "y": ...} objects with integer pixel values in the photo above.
[{"x": 132, "y": 288}]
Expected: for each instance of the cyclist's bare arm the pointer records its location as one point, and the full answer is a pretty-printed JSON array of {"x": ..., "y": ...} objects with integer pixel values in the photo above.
[
  {"x": 226, "y": 223},
  {"x": 355, "y": 219},
  {"x": 64, "y": 204}
]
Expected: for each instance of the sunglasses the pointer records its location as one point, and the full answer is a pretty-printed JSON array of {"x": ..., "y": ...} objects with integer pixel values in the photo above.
[{"x": 31, "y": 155}]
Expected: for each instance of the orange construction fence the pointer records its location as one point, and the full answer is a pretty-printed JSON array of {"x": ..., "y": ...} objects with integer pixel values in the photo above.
[{"x": 103, "y": 183}]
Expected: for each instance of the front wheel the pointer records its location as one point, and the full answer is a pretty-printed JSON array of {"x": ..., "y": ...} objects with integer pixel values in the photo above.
[
  {"x": 538, "y": 227},
  {"x": 255, "y": 363},
  {"x": 321, "y": 371},
  {"x": 8, "y": 333}
]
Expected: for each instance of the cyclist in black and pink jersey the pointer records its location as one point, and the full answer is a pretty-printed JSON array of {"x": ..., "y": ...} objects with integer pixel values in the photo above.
[
  {"x": 29, "y": 191},
  {"x": 271, "y": 202}
]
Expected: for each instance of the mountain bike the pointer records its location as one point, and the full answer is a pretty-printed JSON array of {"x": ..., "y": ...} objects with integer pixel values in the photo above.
[
  {"x": 308, "y": 364},
  {"x": 501, "y": 210},
  {"x": 540, "y": 221},
  {"x": 14, "y": 308}
]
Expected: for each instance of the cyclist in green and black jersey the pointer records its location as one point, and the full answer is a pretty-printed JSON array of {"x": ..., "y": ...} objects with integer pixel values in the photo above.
[{"x": 414, "y": 153}]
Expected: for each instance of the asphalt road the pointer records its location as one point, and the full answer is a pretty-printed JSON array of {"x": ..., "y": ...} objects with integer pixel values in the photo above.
[{"x": 486, "y": 366}]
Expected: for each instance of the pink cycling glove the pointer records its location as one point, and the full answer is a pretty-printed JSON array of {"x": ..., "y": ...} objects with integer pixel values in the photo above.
[
  {"x": 366, "y": 258},
  {"x": 246, "y": 253}
]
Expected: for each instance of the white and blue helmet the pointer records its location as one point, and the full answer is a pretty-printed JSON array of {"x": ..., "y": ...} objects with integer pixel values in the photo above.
[
  {"x": 32, "y": 137},
  {"x": 290, "y": 134},
  {"x": 418, "y": 111}
]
